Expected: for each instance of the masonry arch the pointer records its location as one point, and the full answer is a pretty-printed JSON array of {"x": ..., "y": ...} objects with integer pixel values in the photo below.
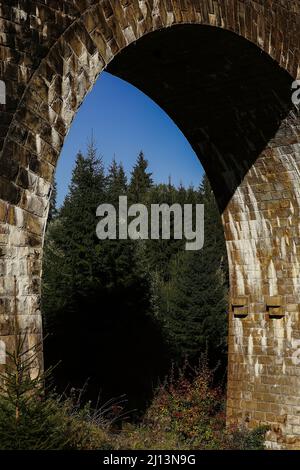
[{"x": 223, "y": 71}]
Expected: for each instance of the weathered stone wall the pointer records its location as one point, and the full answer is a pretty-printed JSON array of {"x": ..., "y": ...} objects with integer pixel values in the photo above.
[{"x": 51, "y": 53}]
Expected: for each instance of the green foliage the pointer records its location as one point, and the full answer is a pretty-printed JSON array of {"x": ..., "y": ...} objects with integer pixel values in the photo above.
[
  {"x": 141, "y": 181},
  {"x": 241, "y": 438},
  {"x": 72, "y": 259},
  {"x": 50, "y": 423},
  {"x": 116, "y": 312},
  {"x": 26, "y": 419},
  {"x": 96, "y": 293},
  {"x": 116, "y": 298},
  {"x": 188, "y": 408},
  {"x": 116, "y": 182},
  {"x": 193, "y": 302},
  {"x": 34, "y": 418},
  {"x": 187, "y": 413},
  {"x": 158, "y": 254}
]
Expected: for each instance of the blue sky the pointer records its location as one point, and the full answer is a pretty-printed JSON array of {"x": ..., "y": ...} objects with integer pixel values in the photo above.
[{"x": 124, "y": 121}]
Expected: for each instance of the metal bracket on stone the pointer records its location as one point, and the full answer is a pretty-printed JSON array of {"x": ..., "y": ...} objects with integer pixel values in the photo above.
[
  {"x": 240, "y": 306},
  {"x": 274, "y": 306}
]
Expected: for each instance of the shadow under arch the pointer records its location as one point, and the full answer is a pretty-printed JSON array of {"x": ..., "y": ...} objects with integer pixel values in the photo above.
[{"x": 228, "y": 98}]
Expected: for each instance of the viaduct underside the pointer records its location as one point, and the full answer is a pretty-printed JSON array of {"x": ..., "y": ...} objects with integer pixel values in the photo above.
[{"x": 223, "y": 70}]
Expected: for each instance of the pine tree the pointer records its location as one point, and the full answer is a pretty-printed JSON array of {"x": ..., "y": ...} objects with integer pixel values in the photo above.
[
  {"x": 28, "y": 420},
  {"x": 78, "y": 219},
  {"x": 96, "y": 295},
  {"x": 158, "y": 253},
  {"x": 194, "y": 304},
  {"x": 75, "y": 269},
  {"x": 181, "y": 194},
  {"x": 116, "y": 182},
  {"x": 104, "y": 299},
  {"x": 72, "y": 259},
  {"x": 141, "y": 180}
]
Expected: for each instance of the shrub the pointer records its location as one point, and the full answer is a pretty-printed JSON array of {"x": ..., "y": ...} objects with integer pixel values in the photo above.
[
  {"x": 50, "y": 423},
  {"x": 187, "y": 407},
  {"x": 242, "y": 438}
]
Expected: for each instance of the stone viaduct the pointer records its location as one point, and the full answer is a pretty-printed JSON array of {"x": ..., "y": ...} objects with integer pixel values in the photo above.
[{"x": 223, "y": 70}]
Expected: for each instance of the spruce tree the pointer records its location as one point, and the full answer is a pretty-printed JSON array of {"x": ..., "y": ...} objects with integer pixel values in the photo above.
[
  {"x": 194, "y": 301},
  {"x": 78, "y": 217},
  {"x": 116, "y": 182},
  {"x": 159, "y": 253},
  {"x": 72, "y": 261},
  {"x": 104, "y": 299},
  {"x": 75, "y": 268},
  {"x": 96, "y": 294},
  {"x": 28, "y": 419}
]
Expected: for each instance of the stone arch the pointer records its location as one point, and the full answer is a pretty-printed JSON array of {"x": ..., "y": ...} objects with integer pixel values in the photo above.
[{"x": 51, "y": 56}]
